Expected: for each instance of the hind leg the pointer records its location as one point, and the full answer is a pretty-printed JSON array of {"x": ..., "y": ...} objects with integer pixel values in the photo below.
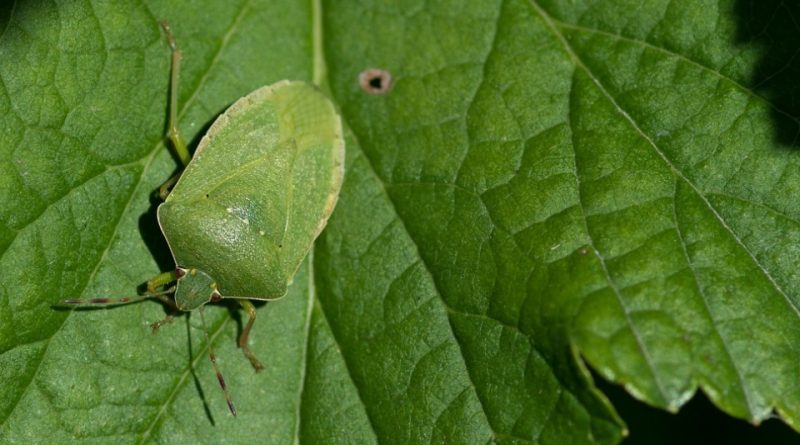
[{"x": 251, "y": 311}]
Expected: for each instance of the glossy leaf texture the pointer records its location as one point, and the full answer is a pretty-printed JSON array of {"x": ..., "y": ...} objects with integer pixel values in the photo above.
[{"x": 544, "y": 182}]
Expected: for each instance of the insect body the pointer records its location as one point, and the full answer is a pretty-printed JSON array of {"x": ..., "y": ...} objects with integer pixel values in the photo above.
[
  {"x": 260, "y": 187},
  {"x": 248, "y": 206}
]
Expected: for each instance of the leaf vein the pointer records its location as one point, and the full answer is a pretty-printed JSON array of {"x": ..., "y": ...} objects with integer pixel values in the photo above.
[
  {"x": 678, "y": 173},
  {"x": 427, "y": 270},
  {"x": 669, "y": 52},
  {"x": 147, "y": 162},
  {"x": 182, "y": 380},
  {"x": 634, "y": 125},
  {"x": 703, "y": 298}
]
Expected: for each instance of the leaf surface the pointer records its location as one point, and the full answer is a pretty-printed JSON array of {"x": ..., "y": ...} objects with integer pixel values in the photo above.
[{"x": 544, "y": 182}]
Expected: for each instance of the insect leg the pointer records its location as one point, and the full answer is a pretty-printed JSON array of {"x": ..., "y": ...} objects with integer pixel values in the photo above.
[
  {"x": 251, "y": 311},
  {"x": 156, "y": 325},
  {"x": 165, "y": 188},
  {"x": 160, "y": 280},
  {"x": 174, "y": 136},
  {"x": 213, "y": 358},
  {"x": 153, "y": 284}
]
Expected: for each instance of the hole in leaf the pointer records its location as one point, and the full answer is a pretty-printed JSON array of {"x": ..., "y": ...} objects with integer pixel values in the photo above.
[{"x": 375, "y": 81}]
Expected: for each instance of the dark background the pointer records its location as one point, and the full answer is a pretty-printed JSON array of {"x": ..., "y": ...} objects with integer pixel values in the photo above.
[{"x": 697, "y": 423}]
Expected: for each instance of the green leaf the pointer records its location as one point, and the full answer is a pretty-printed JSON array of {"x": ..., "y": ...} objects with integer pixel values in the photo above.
[{"x": 543, "y": 183}]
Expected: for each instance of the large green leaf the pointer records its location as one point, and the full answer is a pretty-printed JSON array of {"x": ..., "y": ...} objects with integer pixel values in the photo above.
[{"x": 545, "y": 181}]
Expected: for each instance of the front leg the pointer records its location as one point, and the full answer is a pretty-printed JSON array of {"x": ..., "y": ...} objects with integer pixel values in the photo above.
[
  {"x": 152, "y": 285},
  {"x": 174, "y": 136},
  {"x": 166, "y": 187},
  {"x": 178, "y": 143}
]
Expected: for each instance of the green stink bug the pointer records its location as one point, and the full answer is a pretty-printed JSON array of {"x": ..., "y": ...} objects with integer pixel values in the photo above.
[{"x": 248, "y": 206}]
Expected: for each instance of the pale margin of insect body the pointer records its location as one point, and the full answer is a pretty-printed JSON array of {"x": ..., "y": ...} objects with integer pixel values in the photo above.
[{"x": 248, "y": 206}]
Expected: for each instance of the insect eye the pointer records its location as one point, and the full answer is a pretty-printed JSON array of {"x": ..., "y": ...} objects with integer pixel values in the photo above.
[
  {"x": 215, "y": 296},
  {"x": 180, "y": 272}
]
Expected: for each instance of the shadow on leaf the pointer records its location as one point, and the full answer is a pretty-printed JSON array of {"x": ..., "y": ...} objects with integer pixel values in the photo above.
[
  {"x": 774, "y": 26},
  {"x": 196, "y": 381}
]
